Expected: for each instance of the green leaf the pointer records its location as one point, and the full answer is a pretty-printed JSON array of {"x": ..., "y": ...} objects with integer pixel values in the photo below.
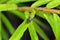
[
  {"x": 50, "y": 20},
  {"x": 0, "y": 31},
  {"x": 57, "y": 25},
  {"x": 39, "y": 3},
  {"x": 40, "y": 14},
  {"x": 19, "y": 1},
  {"x": 4, "y": 34},
  {"x": 53, "y": 3},
  {"x": 40, "y": 31},
  {"x": 1, "y": 1},
  {"x": 7, "y": 7},
  {"x": 54, "y": 21},
  {"x": 32, "y": 32},
  {"x": 19, "y": 31},
  {"x": 18, "y": 13},
  {"x": 7, "y": 23},
  {"x": 27, "y": 14},
  {"x": 43, "y": 25}
]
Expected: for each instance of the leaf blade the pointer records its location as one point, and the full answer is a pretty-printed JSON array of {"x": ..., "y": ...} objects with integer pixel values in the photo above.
[
  {"x": 18, "y": 13},
  {"x": 32, "y": 32},
  {"x": 7, "y": 23},
  {"x": 57, "y": 25},
  {"x": 4, "y": 34},
  {"x": 40, "y": 31},
  {"x": 19, "y": 1},
  {"x": 39, "y": 3},
  {"x": 20, "y": 30},
  {"x": 6, "y": 7},
  {"x": 53, "y": 4}
]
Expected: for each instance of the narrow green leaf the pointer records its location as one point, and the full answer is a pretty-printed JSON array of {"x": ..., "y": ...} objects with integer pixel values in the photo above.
[
  {"x": 18, "y": 13},
  {"x": 40, "y": 14},
  {"x": 50, "y": 20},
  {"x": 7, "y": 7},
  {"x": 39, "y": 3},
  {"x": 40, "y": 31},
  {"x": 4, "y": 34},
  {"x": 57, "y": 25},
  {"x": 7, "y": 23},
  {"x": 19, "y": 1},
  {"x": 0, "y": 15},
  {"x": 1, "y": 1},
  {"x": 19, "y": 31},
  {"x": 0, "y": 31},
  {"x": 53, "y": 3},
  {"x": 41, "y": 24},
  {"x": 32, "y": 32},
  {"x": 54, "y": 21}
]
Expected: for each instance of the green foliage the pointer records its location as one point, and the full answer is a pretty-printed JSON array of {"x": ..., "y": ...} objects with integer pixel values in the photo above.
[
  {"x": 39, "y": 3},
  {"x": 7, "y": 23},
  {"x": 4, "y": 7},
  {"x": 18, "y": 13},
  {"x": 19, "y": 1},
  {"x": 32, "y": 31},
  {"x": 30, "y": 21},
  {"x": 20, "y": 30},
  {"x": 55, "y": 23},
  {"x": 40, "y": 31},
  {"x": 4, "y": 34},
  {"x": 53, "y": 4},
  {"x": 53, "y": 20},
  {"x": 1, "y": 1},
  {"x": 0, "y": 30}
]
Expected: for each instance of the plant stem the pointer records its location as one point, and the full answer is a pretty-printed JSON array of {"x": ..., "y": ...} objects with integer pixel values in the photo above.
[{"x": 40, "y": 8}]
